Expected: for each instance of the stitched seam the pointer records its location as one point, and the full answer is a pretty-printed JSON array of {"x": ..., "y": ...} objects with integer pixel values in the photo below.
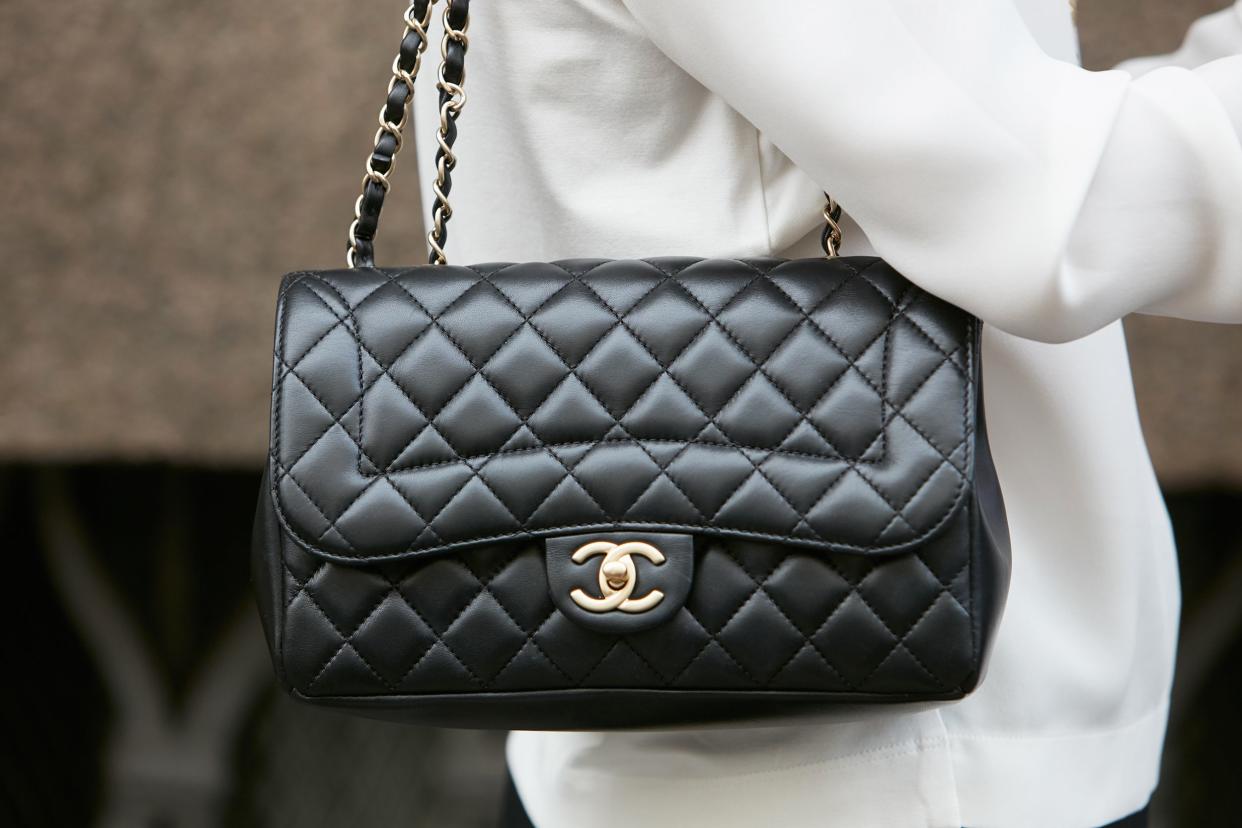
[
  {"x": 945, "y": 460},
  {"x": 899, "y": 513},
  {"x": 384, "y": 369},
  {"x": 288, "y": 472},
  {"x": 976, "y": 643},
  {"x": 803, "y": 416},
  {"x": 474, "y": 472},
  {"x": 355, "y": 333},
  {"x": 587, "y": 676},
  {"x": 630, "y": 646},
  {"x": 947, "y": 587},
  {"x": 530, "y": 638},
  {"x": 663, "y": 468},
  {"x": 881, "y": 392},
  {"x": 456, "y": 617},
  {"x": 711, "y": 318},
  {"x": 625, "y": 642},
  {"x": 474, "y": 599},
  {"x": 336, "y": 419},
  {"x": 573, "y": 371},
  {"x": 278, "y": 345},
  {"x": 901, "y": 642},
  {"x": 815, "y": 647},
  {"x": 544, "y": 337},
  {"x": 901, "y": 639},
  {"x": 807, "y": 640},
  {"x": 486, "y": 584},
  {"x": 345, "y": 642},
  {"x": 438, "y": 640},
  {"x": 912, "y": 292},
  {"x": 712, "y": 637},
  {"x": 472, "y": 458},
  {"x": 301, "y": 585},
  {"x": 664, "y": 370},
  {"x": 830, "y": 546},
  {"x": 477, "y": 369},
  {"x": 761, "y": 586},
  {"x": 290, "y": 368},
  {"x": 630, "y": 439},
  {"x": 758, "y": 366},
  {"x": 898, "y": 313},
  {"x": 616, "y": 420},
  {"x": 710, "y": 419},
  {"x": 476, "y": 372},
  {"x": 283, "y": 474}
]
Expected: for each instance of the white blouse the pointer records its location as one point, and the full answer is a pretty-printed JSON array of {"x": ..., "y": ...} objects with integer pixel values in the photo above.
[{"x": 983, "y": 163}]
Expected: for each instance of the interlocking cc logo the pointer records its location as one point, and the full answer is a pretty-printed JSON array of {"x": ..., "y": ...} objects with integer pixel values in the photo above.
[{"x": 618, "y": 575}]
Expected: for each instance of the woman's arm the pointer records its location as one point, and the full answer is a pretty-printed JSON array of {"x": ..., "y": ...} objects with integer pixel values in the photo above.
[{"x": 1048, "y": 200}]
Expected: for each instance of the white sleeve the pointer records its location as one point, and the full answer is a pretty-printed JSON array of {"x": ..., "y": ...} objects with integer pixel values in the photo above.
[{"x": 1045, "y": 199}]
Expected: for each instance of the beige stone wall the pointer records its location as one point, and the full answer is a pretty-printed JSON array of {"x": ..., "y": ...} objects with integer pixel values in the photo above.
[{"x": 164, "y": 163}]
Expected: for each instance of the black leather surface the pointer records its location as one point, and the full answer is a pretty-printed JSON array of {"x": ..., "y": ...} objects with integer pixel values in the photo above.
[
  {"x": 437, "y": 408},
  {"x": 811, "y": 423}
]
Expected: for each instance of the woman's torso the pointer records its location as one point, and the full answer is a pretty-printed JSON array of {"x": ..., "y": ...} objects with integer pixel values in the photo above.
[{"x": 580, "y": 138}]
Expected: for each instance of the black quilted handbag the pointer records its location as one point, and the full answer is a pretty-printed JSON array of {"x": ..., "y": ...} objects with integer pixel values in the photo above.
[{"x": 596, "y": 494}]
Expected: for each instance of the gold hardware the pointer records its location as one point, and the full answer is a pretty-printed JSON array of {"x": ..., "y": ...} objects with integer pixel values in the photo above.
[
  {"x": 615, "y": 574},
  {"x": 831, "y": 238},
  {"x": 617, "y": 577}
]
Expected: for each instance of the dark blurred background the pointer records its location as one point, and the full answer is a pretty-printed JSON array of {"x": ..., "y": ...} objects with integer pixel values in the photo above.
[{"x": 162, "y": 164}]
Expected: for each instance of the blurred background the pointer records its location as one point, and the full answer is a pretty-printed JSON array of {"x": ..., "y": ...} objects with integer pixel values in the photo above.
[{"x": 162, "y": 165}]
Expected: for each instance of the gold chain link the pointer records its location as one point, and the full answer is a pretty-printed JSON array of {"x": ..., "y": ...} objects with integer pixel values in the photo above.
[
  {"x": 831, "y": 238},
  {"x": 395, "y": 129},
  {"x": 454, "y": 97},
  {"x": 454, "y": 100}
]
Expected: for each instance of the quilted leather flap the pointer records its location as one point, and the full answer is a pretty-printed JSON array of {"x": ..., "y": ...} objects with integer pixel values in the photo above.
[{"x": 820, "y": 403}]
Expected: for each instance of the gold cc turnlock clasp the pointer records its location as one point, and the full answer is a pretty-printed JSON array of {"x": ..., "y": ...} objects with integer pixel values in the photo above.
[{"x": 618, "y": 576}]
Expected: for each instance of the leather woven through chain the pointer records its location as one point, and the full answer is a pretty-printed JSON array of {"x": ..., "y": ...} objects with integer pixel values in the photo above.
[
  {"x": 452, "y": 98},
  {"x": 388, "y": 139},
  {"x": 452, "y": 75},
  {"x": 392, "y": 119},
  {"x": 759, "y": 616},
  {"x": 827, "y": 403}
]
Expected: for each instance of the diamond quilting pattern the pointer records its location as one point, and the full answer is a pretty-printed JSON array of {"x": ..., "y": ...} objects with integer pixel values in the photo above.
[
  {"x": 810, "y": 423},
  {"x": 758, "y": 617},
  {"x": 441, "y": 407}
]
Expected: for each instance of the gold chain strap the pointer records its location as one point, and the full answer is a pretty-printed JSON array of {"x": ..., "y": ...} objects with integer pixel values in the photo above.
[
  {"x": 413, "y": 25},
  {"x": 452, "y": 100},
  {"x": 376, "y": 183}
]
